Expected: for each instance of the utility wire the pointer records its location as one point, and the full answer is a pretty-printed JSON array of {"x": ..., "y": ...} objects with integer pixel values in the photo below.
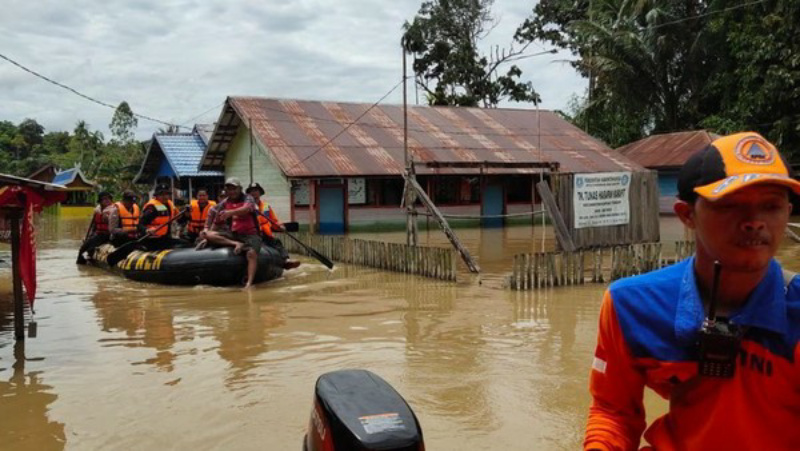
[
  {"x": 348, "y": 125},
  {"x": 215, "y": 107},
  {"x": 717, "y": 11},
  {"x": 80, "y": 94}
]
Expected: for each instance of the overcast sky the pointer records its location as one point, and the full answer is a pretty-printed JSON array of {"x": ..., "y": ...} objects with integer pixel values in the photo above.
[{"x": 177, "y": 60}]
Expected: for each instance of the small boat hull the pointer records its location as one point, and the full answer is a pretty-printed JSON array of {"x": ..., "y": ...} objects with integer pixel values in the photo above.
[{"x": 187, "y": 266}]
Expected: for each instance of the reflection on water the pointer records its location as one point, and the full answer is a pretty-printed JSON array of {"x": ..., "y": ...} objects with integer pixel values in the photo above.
[{"x": 137, "y": 366}]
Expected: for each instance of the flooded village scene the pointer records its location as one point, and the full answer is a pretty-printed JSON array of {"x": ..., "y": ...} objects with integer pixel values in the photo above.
[{"x": 367, "y": 225}]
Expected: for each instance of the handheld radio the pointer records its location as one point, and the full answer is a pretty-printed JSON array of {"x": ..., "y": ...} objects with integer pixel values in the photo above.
[{"x": 719, "y": 339}]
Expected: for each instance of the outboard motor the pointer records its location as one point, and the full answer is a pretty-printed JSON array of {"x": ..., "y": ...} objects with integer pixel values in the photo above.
[{"x": 356, "y": 410}]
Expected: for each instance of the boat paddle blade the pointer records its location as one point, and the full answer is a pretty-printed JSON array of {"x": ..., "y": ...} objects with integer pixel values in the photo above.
[
  {"x": 357, "y": 410},
  {"x": 291, "y": 226}
]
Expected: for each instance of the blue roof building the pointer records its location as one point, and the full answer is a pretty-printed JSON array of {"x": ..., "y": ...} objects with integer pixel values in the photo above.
[{"x": 174, "y": 158}]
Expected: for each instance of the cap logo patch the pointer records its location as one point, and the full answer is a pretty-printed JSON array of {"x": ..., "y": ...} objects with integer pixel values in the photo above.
[{"x": 754, "y": 150}]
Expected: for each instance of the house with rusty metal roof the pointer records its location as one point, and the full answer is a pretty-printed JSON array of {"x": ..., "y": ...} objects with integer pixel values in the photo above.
[
  {"x": 666, "y": 153},
  {"x": 336, "y": 164},
  {"x": 174, "y": 159}
]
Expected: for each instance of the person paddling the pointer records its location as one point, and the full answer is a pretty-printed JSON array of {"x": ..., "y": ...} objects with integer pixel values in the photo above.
[
  {"x": 99, "y": 232},
  {"x": 269, "y": 223},
  {"x": 243, "y": 236},
  {"x": 159, "y": 211}
]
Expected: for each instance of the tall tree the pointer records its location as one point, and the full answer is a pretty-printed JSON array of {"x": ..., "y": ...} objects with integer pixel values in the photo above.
[{"x": 444, "y": 37}]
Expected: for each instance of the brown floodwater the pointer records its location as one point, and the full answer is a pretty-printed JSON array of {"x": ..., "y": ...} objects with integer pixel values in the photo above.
[{"x": 126, "y": 365}]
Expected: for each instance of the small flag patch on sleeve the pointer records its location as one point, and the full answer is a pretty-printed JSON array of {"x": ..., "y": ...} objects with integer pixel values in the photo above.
[{"x": 599, "y": 365}]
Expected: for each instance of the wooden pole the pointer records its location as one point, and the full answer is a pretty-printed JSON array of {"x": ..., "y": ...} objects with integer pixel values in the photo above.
[{"x": 19, "y": 301}]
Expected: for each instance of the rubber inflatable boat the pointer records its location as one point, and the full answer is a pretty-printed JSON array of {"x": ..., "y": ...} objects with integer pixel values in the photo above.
[{"x": 187, "y": 266}]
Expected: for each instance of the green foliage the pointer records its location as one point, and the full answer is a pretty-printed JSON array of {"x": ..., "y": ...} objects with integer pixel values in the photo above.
[
  {"x": 26, "y": 147},
  {"x": 444, "y": 38},
  {"x": 658, "y": 66}
]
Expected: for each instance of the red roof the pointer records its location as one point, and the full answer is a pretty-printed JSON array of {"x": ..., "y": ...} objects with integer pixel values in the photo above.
[
  {"x": 302, "y": 139},
  {"x": 669, "y": 150}
]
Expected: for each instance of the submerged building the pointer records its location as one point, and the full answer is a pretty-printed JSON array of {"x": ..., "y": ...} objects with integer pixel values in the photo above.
[{"x": 338, "y": 165}]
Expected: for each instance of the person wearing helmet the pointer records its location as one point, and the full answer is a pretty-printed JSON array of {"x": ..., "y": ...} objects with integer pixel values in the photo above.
[{"x": 718, "y": 334}]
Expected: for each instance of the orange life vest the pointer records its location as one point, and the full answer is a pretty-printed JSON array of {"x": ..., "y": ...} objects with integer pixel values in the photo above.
[
  {"x": 164, "y": 214},
  {"x": 265, "y": 225},
  {"x": 128, "y": 219},
  {"x": 198, "y": 220},
  {"x": 100, "y": 223}
]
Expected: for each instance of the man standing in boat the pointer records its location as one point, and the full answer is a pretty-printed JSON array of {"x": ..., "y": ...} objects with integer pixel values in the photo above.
[
  {"x": 123, "y": 219},
  {"x": 98, "y": 229},
  {"x": 269, "y": 223},
  {"x": 156, "y": 220},
  {"x": 243, "y": 236},
  {"x": 717, "y": 334},
  {"x": 197, "y": 215}
]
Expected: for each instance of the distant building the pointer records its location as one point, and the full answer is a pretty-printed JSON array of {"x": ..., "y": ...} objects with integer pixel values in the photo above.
[
  {"x": 174, "y": 158},
  {"x": 335, "y": 165},
  {"x": 666, "y": 154}
]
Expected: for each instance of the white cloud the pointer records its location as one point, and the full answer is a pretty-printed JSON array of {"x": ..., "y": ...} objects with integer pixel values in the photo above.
[{"x": 176, "y": 59}]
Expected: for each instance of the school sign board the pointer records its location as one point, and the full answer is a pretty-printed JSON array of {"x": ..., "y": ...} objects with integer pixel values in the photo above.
[{"x": 601, "y": 199}]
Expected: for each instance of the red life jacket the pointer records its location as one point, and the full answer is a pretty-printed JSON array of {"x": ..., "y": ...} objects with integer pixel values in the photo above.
[{"x": 100, "y": 223}]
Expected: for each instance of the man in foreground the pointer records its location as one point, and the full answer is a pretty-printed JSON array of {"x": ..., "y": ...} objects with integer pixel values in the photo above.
[
  {"x": 243, "y": 236},
  {"x": 734, "y": 382}
]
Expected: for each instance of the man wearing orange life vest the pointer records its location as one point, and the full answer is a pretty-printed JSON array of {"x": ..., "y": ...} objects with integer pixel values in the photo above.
[
  {"x": 155, "y": 214},
  {"x": 197, "y": 215},
  {"x": 269, "y": 223},
  {"x": 124, "y": 219},
  {"x": 99, "y": 232},
  {"x": 731, "y": 373}
]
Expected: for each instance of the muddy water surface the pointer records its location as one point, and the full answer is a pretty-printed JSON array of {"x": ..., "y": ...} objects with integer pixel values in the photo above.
[{"x": 125, "y": 365}]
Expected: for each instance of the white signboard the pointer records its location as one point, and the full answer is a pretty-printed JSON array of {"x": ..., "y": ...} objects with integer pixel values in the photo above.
[
  {"x": 302, "y": 192},
  {"x": 356, "y": 191},
  {"x": 601, "y": 200}
]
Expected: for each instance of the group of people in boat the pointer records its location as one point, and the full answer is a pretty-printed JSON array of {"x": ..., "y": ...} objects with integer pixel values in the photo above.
[{"x": 241, "y": 220}]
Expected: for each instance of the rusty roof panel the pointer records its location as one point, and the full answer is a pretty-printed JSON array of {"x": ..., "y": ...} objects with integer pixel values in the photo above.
[
  {"x": 667, "y": 150},
  {"x": 332, "y": 139}
]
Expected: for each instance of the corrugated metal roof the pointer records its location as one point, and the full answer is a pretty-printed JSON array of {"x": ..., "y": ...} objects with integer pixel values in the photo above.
[
  {"x": 295, "y": 131},
  {"x": 669, "y": 150},
  {"x": 68, "y": 176},
  {"x": 184, "y": 151},
  {"x": 204, "y": 130}
]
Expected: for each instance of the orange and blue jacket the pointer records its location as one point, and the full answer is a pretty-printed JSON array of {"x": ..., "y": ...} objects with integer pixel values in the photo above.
[{"x": 647, "y": 338}]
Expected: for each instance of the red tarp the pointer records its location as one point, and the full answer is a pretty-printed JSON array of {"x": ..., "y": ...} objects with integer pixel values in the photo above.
[{"x": 30, "y": 200}]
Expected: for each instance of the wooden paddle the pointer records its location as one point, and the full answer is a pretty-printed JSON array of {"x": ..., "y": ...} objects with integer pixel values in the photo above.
[
  {"x": 81, "y": 259},
  {"x": 311, "y": 251},
  {"x": 123, "y": 251}
]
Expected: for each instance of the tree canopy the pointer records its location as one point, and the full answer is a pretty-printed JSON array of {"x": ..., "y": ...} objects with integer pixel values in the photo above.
[
  {"x": 659, "y": 66},
  {"x": 444, "y": 38},
  {"x": 26, "y": 147}
]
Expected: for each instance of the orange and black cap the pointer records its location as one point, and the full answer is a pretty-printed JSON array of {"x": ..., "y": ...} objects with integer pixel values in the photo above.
[{"x": 733, "y": 162}]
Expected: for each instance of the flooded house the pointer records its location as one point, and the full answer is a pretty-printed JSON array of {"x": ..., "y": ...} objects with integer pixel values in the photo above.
[
  {"x": 174, "y": 159},
  {"x": 80, "y": 191},
  {"x": 339, "y": 165},
  {"x": 665, "y": 154}
]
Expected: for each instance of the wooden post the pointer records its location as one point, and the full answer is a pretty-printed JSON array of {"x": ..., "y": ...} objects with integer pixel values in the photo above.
[
  {"x": 562, "y": 232},
  {"x": 19, "y": 301}
]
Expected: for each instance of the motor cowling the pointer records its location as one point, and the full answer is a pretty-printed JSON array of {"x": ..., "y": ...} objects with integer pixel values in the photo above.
[{"x": 357, "y": 410}]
